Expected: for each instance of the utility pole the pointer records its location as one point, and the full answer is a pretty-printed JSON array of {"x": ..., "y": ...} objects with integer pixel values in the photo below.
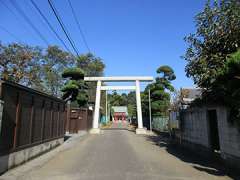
[{"x": 150, "y": 109}]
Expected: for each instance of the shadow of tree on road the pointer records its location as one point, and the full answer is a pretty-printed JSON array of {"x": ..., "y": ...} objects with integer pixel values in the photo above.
[
  {"x": 66, "y": 137},
  {"x": 208, "y": 164}
]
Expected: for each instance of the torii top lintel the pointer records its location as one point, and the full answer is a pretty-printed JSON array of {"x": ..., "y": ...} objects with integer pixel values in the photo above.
[{"x": 120, "y": 78}]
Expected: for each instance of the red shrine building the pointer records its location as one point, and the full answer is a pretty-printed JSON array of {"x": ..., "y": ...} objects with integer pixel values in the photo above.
[{"x": 120, "y": 113}]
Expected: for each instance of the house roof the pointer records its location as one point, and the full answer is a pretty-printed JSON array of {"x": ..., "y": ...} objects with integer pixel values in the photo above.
[{"x": 190, "y": 94}]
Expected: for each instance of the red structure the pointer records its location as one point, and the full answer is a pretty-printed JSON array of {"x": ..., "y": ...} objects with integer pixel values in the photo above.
[{"x": 120, "y": 116}]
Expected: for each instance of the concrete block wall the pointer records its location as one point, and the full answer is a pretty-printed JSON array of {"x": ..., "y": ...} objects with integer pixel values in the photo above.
[{"x": 195, "y": 127}]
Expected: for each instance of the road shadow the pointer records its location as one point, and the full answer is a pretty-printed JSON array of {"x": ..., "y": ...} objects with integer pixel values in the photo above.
[
  {"x": 66, "y": 137},
  {"x": 209, "y": 164}
]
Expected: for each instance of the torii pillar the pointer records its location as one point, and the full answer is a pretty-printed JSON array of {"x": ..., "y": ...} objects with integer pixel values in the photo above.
[{"x": 95, "y": 129}]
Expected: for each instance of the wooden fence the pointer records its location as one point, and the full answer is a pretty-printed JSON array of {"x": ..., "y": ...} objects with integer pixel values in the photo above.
[
  {"x": 29, "y": 117},
  {"x": 79, "y": 119}
]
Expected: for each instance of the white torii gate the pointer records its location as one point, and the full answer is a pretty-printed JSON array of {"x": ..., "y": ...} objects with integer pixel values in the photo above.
[{"x": 136, "y": 79}]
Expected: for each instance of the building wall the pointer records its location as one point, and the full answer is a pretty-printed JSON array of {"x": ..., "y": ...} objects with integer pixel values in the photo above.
[
  {"x": 195, "y": 127},
  {"x": 120, "y": 116}
]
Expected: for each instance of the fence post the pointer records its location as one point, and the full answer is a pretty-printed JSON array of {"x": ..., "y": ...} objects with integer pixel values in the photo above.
[
  {"x": 86, "y": 121},
  {"x": 51, "y": 121},
  {"x": 58, "y": 121},
  {"x": 43, "y": 120},
  {"x": 31, "y": 120},
  {"x": 15, "y": 138},
  {"x": 68, "y": 117}
]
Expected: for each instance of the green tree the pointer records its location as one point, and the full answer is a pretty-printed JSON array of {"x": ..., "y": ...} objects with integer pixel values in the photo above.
[
  {"x": 75, "y": 89},
  {"x": 226, "y": 88},
  {"x": 92, "y": 66},
  {"x": 116, "y": 99},
  {"x": 42, "y": 69},
  {"x": 160, "y": 96},
  {"x": 33, "y": 67},
  {"x": 217, "y": 36},
  {"x": 54, "y": 61},
  {"x": 131, "y": 104}
]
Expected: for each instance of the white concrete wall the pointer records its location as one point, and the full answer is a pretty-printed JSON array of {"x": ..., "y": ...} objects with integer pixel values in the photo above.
[
  {"x": 196, "y": 127},
  {"x": 16, "y": 158}
]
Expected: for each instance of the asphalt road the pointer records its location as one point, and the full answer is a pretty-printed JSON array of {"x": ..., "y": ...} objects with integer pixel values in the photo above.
[{"x": 122, "y": 155}]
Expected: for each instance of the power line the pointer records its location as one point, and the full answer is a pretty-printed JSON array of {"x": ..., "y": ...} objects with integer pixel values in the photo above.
[
  {"x": 63, "y": 27},
  {"x": 11, "y": 34},
  {"x": 50, "y": 26},
  {"x": 67, "y": 34},
  {"x": 21, "y": 12},
  {"x": 78, "y": 25}
]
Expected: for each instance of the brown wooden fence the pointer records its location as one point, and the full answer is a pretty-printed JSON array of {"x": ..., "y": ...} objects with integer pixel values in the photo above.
[
  {"x": 29, "y": 117},
  {"x": 80, "y": 119}
]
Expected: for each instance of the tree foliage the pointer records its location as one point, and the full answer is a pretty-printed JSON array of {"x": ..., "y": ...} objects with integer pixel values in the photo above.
[
  {"x": 116, "y": 99},
  {"x": 75, "y": 89},
  {"x": 92, "y": 66},
  {"x": 54, "y": 61},
  {"x": 42, "y": 69},
  {"x": 226, "y": 88},
  {"x": 159, "y": 92},
  {"x": 217, "y": 36},
  {"x": 34, "y": 67},
  {"x": 20, "y": 63},
  {"x": 73, "y": 73},
  {"x": 131, "y": 104}
]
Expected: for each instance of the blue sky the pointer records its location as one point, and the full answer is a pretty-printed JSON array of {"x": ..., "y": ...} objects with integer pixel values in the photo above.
[{"x": 133, "y": 37}]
